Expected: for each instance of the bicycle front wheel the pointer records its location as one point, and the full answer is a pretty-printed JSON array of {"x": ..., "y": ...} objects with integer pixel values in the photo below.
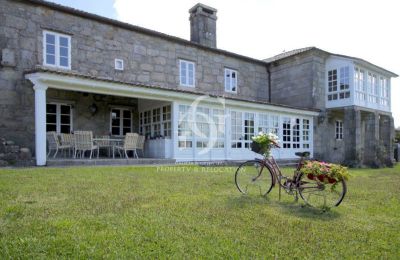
[
  {"x": 253, "y": 178},
  {"x": 320, "y": 194}
]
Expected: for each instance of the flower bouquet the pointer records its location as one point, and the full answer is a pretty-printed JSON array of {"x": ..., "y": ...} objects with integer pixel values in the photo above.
[
  {"x": 263, "y": 142},
  {"x": 324, "y": 172}
]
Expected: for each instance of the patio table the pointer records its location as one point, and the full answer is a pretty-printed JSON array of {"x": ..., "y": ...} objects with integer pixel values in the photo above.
[{"x": 113, "y": 142}]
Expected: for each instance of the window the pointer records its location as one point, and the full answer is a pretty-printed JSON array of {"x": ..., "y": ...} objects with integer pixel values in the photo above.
[
  {"x": 185, "y": 123},
  {"x": 343, "y": 92},
  {"x": 121, "y": 121},
  {"x": 166, "y": 117},
  {"x": 119, "y": 64},
  {"x": 274, "y": 124},
  {"x": 58, "y": 118},
  {"x": 296, "y": 133},
  {"x": 332, "y": 84},
  {"x": 202, "y": 129},
  {"x": 286, "y": 140},
  {"x": 248, "y": 129},
  {"x": 186, "y": 73},
  {"x": 56, "y": 50},
  {"x": 306, "y": 133},
  {"x": 218, "y": 134},
  {"x": 339, "y": 130},
  {"x": 156, "y": 123},
  {"x": 236, "y": 129},
  {"x": 384, "y": 92},
  {"x": 359, "y": 83},
  {"x": 230, "y": 80},
  {"x": 263, "y": 123}
]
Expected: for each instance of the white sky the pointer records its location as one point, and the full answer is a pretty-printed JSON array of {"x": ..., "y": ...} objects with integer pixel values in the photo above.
[{"x": 263, "y": 28}]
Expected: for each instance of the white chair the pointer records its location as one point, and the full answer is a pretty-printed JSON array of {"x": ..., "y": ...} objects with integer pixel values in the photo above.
[
  {"x": 54, "y": 144},
  {"x": 84, "y": 142},
  {"x": 130, "y": 144},
  {"x": 140, "y": 144},
  {"x": 67, "y": 140}
]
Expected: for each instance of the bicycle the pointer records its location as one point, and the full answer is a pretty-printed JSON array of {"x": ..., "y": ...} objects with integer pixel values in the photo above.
[{"x": 261, "y": 175}]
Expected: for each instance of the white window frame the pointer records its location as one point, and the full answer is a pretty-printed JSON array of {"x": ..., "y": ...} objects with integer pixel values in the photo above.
[
  {"x": 58, "y": 116},
  {"x": 57, "y": 50},
  {"x": 186, "y": 63},
  {"x": 339, "y": 130},
  {"x": 230, "y": 82},
  {"x": 121, "y": 120},
  {"x": 119, "y": 64}
]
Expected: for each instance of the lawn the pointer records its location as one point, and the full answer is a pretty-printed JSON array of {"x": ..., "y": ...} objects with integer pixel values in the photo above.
[{"x": 185, "y": 212}]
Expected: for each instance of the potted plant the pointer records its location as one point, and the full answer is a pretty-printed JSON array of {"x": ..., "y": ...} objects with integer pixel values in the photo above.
[{"x": 263, "y": 142}]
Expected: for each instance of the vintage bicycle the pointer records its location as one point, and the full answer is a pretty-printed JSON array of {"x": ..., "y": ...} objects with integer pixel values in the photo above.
[{"x": 259, "y": 176}]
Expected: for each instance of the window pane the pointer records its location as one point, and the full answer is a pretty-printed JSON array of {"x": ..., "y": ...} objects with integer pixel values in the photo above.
[
  {"x": 115, "y": 114},
  {"x": 51, "y": 118},
  {"x": 127, "y": 114},
  {"x": 115, "y": 131},
  {"x": 50, "y": 38},
  {"x": 127, "y": 123},
  {"x": 51, "y": 128},
  {"x": 63, "y": 51},
  {"x": 50, "y": 49},
  {"x": 64, "y": 61},
  {"x": 51, "y": 108},
  {"x": 126, "y": 130},
  {"x": 65, "y": 119},
  {"x": 50, "y": 59},
  {"x": 65, "y": 129},
  {"x": 65, "y": 110},
  {"x": 63, "y": 41}
]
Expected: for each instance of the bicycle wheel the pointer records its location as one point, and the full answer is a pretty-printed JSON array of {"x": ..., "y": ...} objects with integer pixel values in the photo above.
[
  {"x": 252, "y": 178},
  {"x": 320, "y": 194}
]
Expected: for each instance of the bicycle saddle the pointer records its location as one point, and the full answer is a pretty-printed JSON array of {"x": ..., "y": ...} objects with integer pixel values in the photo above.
[{"x": 302, "y": 154}]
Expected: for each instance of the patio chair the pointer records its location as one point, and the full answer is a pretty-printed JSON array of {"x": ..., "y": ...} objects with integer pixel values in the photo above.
[
  {"x": 54, "y": 143},
  {"x": 67, "y": 140},
  {"x": 140, "y": 144},
  {"x": 84, "y": 142},
  {"x": 130, "y": 144}
]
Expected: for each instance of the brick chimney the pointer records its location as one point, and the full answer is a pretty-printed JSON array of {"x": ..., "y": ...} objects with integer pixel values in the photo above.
[{"x": 203, "y": 25}]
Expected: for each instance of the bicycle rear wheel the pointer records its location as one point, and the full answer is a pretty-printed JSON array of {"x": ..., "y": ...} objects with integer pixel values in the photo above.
[
  {"x": 253, "y": 178},
  {"x": 320, "y": 194}
]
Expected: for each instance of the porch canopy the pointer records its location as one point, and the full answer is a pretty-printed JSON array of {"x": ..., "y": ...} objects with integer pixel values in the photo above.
[{"x": 43, "y": 78}]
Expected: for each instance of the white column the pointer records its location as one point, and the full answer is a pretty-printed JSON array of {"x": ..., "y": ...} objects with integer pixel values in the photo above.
[
  {"x": 174, "y": 128},
  {"x": 40, "y": 123}
]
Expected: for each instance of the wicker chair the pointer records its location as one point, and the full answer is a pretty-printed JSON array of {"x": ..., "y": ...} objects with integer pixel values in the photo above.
[
  {"x": 140, "y": 144},
  {"x": 54, "y": 144},
  {"x": 84, "y": 142},
  {"x": 67, "y": 140},
  {"x": 130, "y": 144}
]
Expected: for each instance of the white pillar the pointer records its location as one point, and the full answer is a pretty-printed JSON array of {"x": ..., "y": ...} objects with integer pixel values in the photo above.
[{"x": 40, "y": 123}]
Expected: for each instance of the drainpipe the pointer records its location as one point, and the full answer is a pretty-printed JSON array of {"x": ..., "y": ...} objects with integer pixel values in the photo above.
[{"x": 269, "y": 82}]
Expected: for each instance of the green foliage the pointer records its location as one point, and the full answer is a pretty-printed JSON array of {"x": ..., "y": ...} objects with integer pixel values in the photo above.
[
  {"x": 331, "y": 170},
  {"x": 265, "y": 142},
  {"x": 188, "y": 212},
  {"x": 397, "y": 137}
]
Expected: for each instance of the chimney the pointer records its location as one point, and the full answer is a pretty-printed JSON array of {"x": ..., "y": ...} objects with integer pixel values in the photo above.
[{"x": 203, "y": 28}]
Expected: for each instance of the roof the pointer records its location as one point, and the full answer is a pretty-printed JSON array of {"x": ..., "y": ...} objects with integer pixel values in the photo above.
[
  {"x": 139, "y": 84},
  {"x": 294, "y": 52},
  {"x": 287, "y": 54}
]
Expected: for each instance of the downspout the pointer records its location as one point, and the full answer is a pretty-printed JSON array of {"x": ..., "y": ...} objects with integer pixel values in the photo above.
[{"x": 269, "y": 82}]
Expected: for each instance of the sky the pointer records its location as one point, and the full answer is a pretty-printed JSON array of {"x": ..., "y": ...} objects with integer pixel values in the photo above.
[{"x": 260, "y": 29}]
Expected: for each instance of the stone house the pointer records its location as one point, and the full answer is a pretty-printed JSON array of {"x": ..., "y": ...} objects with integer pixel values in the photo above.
[{"x": 65, "y": 70}]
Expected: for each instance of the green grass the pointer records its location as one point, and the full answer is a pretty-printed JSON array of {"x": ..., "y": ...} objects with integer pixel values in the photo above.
[{"x": 142, "y": 212}]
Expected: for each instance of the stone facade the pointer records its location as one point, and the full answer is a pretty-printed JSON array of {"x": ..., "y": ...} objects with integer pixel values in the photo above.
[
  {"x": 148, "y": 59},
  {"x": 152, "y": 58}
]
